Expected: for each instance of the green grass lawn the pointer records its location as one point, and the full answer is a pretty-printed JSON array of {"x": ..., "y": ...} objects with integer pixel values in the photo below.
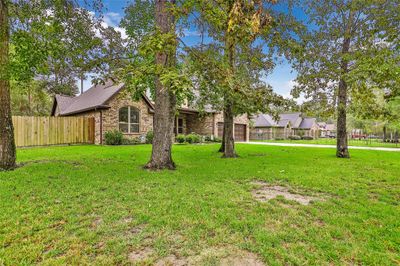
[
  {"x": 328, "y": 141},
  {"x": 96, "y": 205}
]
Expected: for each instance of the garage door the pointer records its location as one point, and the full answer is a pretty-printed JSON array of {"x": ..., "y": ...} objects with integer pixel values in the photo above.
[{"x": 240, "y": 132}]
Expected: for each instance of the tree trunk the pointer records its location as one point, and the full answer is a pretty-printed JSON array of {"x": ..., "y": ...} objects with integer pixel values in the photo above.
[
  {"x": 222, "y": 148},
  {"x": 165, "y": 102},
  {"x": 7, "y": 144},
  {"x": 82, "y": 78},
  {"x": 384, "y": 133},
  {"x": 342, "y": 150},
  {"x": 229, "y": 142}
]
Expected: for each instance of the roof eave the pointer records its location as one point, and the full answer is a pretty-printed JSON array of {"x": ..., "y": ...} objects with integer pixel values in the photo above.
[{"x": 93, "y": 108}]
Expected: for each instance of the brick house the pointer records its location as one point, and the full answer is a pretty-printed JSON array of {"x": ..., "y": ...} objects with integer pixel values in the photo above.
[
  {"x": 113, "y": 108},
  {"x": 265, "y": 127}
]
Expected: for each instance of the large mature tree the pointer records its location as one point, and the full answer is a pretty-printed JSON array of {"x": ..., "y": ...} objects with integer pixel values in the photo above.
[
  {"x": 7, "y": 144},
  {"x": 165, "y": 99},
  {"x": 30, "y": 50},
  {"x": 153, "y": 65},
  {"x": 340, "y": 35},
  {"x": 231, "y": 66}
]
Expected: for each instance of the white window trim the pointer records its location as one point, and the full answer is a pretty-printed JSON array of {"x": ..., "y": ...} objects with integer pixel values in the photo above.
[{"x": 129, "y": 120}]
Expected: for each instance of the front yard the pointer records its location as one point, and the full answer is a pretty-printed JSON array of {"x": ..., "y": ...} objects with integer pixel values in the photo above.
[
  {"x": 329, "y": 141},
  {"x": 96, "y": 205}
]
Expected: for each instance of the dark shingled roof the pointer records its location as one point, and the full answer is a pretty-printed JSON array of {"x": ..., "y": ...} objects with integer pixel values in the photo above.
[
  {"x": 94, "y": 98},
  {"x": 295, "y": 120},
  {"x": 264, "y": 120},
  {"x": 307, "y": 123}
]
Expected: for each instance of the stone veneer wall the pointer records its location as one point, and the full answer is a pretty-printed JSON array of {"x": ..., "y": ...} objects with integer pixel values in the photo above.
[
  {"x": 111, "y": 115},
  {"x": 200, "y": 125},
  {"x": 208, "y": 125}
]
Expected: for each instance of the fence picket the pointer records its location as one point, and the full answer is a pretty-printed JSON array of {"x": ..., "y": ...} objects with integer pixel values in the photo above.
[{"x": 40, "y": 131}]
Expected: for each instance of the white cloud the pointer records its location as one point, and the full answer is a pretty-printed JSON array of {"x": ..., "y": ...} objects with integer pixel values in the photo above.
[
  {"x": 112, "y": 18},
  {"x": 122, "y": 31}
]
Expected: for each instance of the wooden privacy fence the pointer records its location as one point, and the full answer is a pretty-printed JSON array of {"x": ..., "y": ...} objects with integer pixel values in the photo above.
[{"x": 40, "y": 131}]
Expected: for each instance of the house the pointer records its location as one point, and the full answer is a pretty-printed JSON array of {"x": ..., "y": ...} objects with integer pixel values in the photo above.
[
  {"x": 327, "y": 130},
  {"x": 265, "y": 127},
  {"x": 113, "y": 108}
]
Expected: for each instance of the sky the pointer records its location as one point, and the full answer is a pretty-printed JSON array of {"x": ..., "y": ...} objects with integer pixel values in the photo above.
[{"x": 281, "y": 79}]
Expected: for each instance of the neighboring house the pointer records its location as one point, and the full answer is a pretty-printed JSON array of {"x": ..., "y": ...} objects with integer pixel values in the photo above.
[
  {"x": 265, "y": 127},
  {"x": 327, "y": 130},
  {"x": 113, "y": 108}
]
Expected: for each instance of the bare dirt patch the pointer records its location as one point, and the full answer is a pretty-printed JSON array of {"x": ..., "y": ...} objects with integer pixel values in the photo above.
[
  {"x": 265, "y": 192},
  {"x": 171, "y": 260},
  {"x": 96, "y": 222},
  {"x": 225, "y": 256},
  {"x": 140, "y": 255},
  {"x": 244, "y": 258}
]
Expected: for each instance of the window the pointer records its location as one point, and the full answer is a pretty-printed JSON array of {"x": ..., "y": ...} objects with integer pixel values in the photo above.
[
  {"x": 129, "y": 119},
  {"x": 180, "y": 126}
]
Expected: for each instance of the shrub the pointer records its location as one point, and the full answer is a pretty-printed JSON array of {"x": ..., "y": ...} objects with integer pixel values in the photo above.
[
  {"x": 113, "y": 137},
  {"x": 128, "y": 141},
  {"x": 216, "y": 139},
  {"x": 180, "y": 138},
  {"x": 307, "y": 138},
  {"x": 294, "y": 137},
  {"x": 279, "y": 138},
  {"x": 149, "y": 137},
  {"x": 193, "y": 138},
  {"x": 208, "y": 138}
]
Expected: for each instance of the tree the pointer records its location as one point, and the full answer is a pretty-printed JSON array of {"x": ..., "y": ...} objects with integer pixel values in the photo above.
[
  {"x": 113, "y": 54},
  {"x": 165, "y": 102},
  {"x": 84, "y": 45},
  {"x": 28, "y": 98},
  {"x": 340, "y": 35},
  {"x": 28, "y": 18},
  {"x": 229, "y": 70},
  {"x": 7, "y": 143},
  {"x": 153, "y": 65}
]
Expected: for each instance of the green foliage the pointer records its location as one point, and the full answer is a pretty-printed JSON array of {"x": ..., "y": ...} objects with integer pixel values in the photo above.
[
  {"x": 138, "y": 21},
  {"x": 59, "y": 47},
  {"x": 231, "y": 68},
  {"x": 217, "y": 139},
  {"x": 149, "y": 137},
  {"x": 114, "y": 137},
  {"x": 294, "y": 137},
  {"x": 180, "y": 138},
  {"x": 193, "y": 138},
  {"x": 130, "y": 141},
  {"x": 147, "y": 41},
  {"x": 320, "y": 55},
  {"x": 29, "y": 99},
  {"x": 208, "y": 138},
  {"x": 307, "y": 138}
]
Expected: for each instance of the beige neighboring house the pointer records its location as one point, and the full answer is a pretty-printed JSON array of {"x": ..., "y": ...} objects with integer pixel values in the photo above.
[
  {"x": 265, "y": 127},
  {"x": 327, "y": 130},
  {"x": 113, "y": 108}
]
